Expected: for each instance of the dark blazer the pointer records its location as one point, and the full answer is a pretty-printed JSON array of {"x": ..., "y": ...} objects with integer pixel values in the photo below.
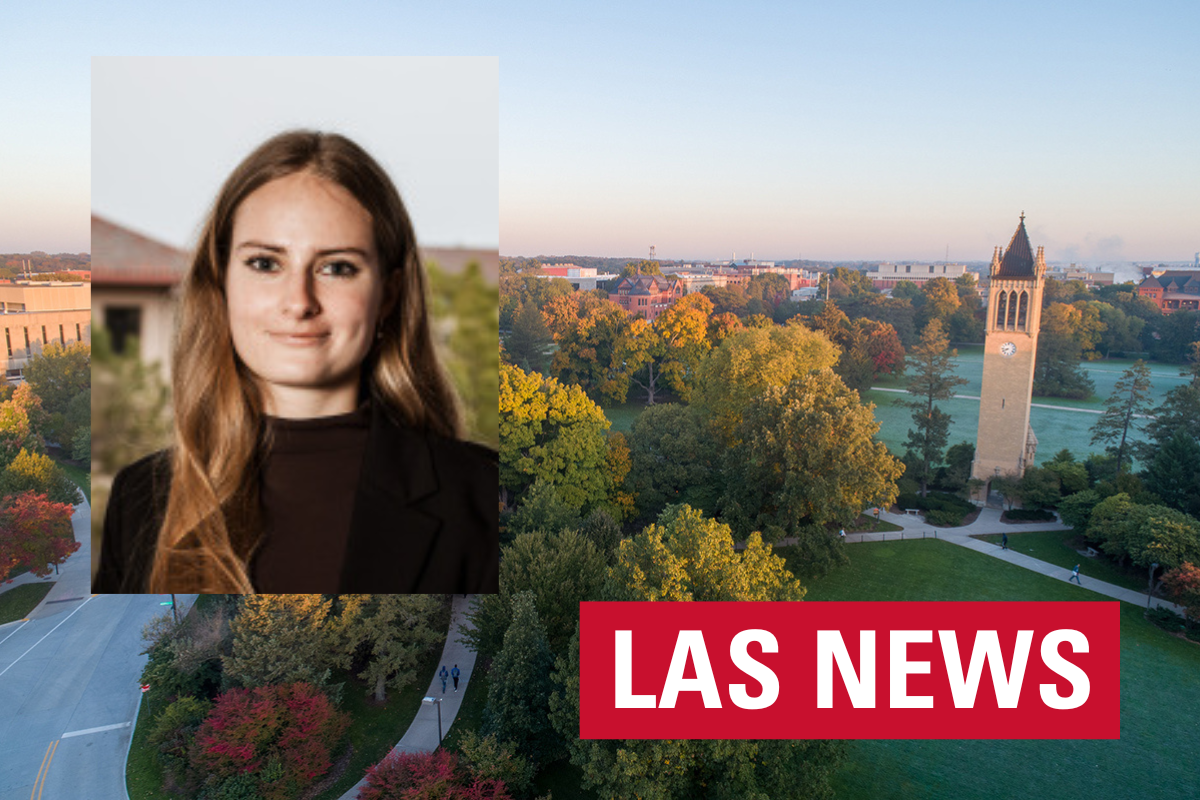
[{"x": 425, "y": 517}]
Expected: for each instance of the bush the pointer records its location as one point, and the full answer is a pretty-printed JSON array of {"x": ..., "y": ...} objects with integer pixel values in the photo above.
[
  {"x": 427, "y": 775},
  {"x": 947, "y": 518},
  {"x": 283, "y": 735},
  {"x": 172, "y": 735},
  {"x": 1166, "y": 619}
]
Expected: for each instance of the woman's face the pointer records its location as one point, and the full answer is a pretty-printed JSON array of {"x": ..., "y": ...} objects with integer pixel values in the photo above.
[{"x": 304, "y": 289}]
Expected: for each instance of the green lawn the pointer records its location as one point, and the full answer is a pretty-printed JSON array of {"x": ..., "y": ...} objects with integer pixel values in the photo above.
[
  {"x": 1059, "y": 547},
  {"x": 18, "y": 601},
  {"x": 374, "y": 729},
  {"x": 622, "y": 416},
  {"x": 82, "y": 477},
  {"x": 1160, "y": 695}
]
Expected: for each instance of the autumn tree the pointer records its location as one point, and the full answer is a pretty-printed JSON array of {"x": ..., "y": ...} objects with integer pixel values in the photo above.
[
  {"x": 551, "y": 431},
  {"x": 1183, "y": 585},
  {"x": 642, "y": 267},
  {"x": 37, "y": 473},
  {"x": 19, "y": 424},
  {"x": 35, "y": 533},
  {"x": 1123, "y": 412},
  {"x": 805, "y": 455},
  {"x": 941, "y": 300},
  {"x": 680, "y": 340},
  {"x": 749, "y": 361},
  {"x": 394, "y": 632},
  {"x": 1057, "y": 371},
  {"x": 417, "y": 776},
  {"x": 519, "y": 685},
  {"x": 933, "y": 379},
  {"x": 685, "y": 556},
  {"x": 600, "y": 347},
  {"x": 281, "y": 638},
  {"x": 274, "y": 741},
  {"x": 59, "y": 373}
]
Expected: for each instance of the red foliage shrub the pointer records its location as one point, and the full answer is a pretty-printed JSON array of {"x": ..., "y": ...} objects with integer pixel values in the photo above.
[
  {"x": 284, "y": 735},
  {"x": 427, "y": 776},
  {"x": 35, "y": 532}
]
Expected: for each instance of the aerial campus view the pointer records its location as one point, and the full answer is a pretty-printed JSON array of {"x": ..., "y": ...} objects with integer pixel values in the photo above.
[{"x": 793, "y": 304}]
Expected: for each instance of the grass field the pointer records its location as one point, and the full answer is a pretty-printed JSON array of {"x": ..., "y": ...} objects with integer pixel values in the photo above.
[
  {"x": 622, "y": 416},
  {"x": 1058, "y": 547},
  {"x": 1058, "y": 426},
  {"x": 1160, "y": 695},
  {"x": 18, "y": 601},
  {"x": 374, "y": 729}
]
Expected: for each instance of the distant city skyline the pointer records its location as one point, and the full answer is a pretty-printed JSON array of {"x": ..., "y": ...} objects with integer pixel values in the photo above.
[{"x": 827, "y": 131}]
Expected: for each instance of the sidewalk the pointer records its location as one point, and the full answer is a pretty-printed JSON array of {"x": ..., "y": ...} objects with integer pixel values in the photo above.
[
  {"x": 73, "y": 583},
  {"x": 422, "y": 734},
  {"x": 988, "y": 521}
]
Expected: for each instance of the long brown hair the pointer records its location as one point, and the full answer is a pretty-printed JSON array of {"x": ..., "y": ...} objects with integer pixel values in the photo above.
[{"x": 212, "y": 522}]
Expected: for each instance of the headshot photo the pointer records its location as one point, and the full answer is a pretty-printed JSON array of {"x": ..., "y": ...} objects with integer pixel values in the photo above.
[{"x": 295, "y": 265}]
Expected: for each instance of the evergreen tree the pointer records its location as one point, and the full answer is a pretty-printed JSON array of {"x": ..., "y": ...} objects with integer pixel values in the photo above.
[
  {"x": 518, "y": 705},
  {"x": 933, "y": 379},
  {"x": 1174, "y": 474},
  {"x": 280, "y": 638},
  {"x": 527, "y": 342},
  {"x": 1129, "y": 402}
]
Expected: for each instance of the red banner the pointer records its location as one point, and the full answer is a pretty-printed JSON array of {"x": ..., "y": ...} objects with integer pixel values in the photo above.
[{"x": 1032, "y": 670}]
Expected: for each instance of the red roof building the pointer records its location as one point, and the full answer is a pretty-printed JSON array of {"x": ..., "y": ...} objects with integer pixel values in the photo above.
[
  {"x": 648, "y": 295},
  {"x": 1173, "y": 290}
]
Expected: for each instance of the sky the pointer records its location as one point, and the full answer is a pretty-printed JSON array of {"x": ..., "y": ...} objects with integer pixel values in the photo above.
[{"x": 779, "y": 130}]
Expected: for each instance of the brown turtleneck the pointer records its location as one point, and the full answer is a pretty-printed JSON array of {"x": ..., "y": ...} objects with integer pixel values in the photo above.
[{"x": 307, "y": 494}]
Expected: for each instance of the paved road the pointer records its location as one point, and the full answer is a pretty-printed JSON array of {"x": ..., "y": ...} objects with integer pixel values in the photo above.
[
  {"x": 69, "y": 684},
  {"x": 63, "y": 675}
]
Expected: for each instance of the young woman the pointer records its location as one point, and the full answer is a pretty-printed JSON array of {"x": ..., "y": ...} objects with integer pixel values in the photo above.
[{"x": 316, "y": 435}]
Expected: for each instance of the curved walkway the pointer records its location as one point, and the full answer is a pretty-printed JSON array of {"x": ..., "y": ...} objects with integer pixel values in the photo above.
[
  {"x": 988, "y": 521},
  {"x": 422, "y": 734}
]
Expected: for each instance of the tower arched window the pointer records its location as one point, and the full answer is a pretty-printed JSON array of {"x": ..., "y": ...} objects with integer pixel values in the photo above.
[
  {"x": 1023, "y": 311},
  {"x": 1001, "y": 308},
  {"x": 1012, "y": 310}
]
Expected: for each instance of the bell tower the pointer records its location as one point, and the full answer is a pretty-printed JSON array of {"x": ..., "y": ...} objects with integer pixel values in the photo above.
[{"x": 1006, "y": 444}]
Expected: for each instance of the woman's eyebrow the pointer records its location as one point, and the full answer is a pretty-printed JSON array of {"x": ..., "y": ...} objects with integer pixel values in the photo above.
[{"x": 275, "y": 248}]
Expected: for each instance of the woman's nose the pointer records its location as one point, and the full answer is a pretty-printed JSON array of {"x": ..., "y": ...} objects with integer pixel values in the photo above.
[{"x": 299, "y": 295}]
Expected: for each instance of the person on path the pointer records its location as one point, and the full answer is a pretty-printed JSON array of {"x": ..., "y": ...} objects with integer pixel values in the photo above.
[
  {"x": 454, "y": 673},
  {"x": 443, "y": 675},
  {"x": 843, "y": 534},
  {"x": 1075, "y": 576},
  {"x": 1004, "y": 541}
]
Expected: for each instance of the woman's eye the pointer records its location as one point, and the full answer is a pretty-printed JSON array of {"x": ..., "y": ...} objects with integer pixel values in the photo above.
[
  {"x": 339, "y": 269},
  {"x": 262, "y": 264}
]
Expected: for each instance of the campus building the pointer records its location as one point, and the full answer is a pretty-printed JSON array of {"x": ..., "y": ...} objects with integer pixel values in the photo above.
[
  {"x": 1173, "y": 290},
  {"x": 648, "y": 295},
  {"x": 886, "y": 276},
  {"x": 36, "y": 313},
  {"x": 1006, "y": 444}
]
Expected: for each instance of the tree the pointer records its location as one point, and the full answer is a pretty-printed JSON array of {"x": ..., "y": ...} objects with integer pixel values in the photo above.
[
  {"x": 20, "y": 423},
  {"x": 1174, "y": 474},
  {"x": 1057, "y": 372},
  {"x": 59, "y": 373},
  {"x": 395, "y": 632},
  {"x": 674, "y": 459},
  {"x": 417, "y": 776},
  {"x": 1179, "y": 411},
  {"x": 688, "y": 557},
  {"x": 560, "y": 569},
  {"x": 1040, "y": 488},
  {"x": 681, "y": 342},
  {"x": 553, "y": 432},
  {"x": 519, "y": 685},
  {"x": 281, "y": 737},
  {"x": 1076, "y": 509},
  {"x": 749, "y": 361},
  {"x": 130, "y": 417},
  {"x": 1123, "y": 410},
  {"x": 1183, "y": 585},
  {"x": 640, "y": 268},
  {"x": 933, "y": 379},
  {"x": 529, "y": 339},
  {"x": 600, "y": 347},
  {"x": 959, "y": 459},
  {"x": 941, "y": 300},
  {"x": 280, "y": 638},
  {"x": 805, "y": 454},
  {"x": 172, "y": 736},
  {"x": 34, "y": 472},
  {"x": 541, "y": 510},
  {"x": 35, "y": 533},
  {"x": 487, "y": 758}
]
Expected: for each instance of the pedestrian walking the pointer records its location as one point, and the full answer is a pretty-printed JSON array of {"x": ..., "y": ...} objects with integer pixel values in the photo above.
[
  {"x": 1075, "y": 576},
  {"x": 843, "y": 534},
  {"x": 443, "y": 675},
  {"x": 1004, "y": 541},
  {"x": 454, "y": 673}
]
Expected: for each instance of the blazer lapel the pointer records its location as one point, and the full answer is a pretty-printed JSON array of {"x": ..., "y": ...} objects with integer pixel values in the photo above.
[{"x": 391, "y": 540}]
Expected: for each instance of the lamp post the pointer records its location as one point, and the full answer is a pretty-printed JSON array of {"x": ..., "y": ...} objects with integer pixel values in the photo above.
[
  {"x": 1150, "y": 588},
  {"x": 437, "y": 701}
]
